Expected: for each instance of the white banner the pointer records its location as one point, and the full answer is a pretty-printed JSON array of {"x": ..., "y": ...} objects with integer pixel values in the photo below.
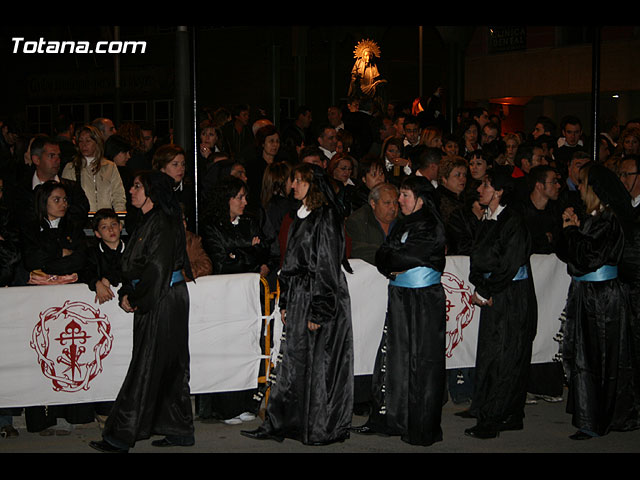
[
  {"x": 58, "y": 346},
  {"x": 368, "y": 291}
]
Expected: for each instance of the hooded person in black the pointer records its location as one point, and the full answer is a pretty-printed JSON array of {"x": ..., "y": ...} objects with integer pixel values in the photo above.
[
  {"x": 154, "y": 398},
  {"x": 597, "y": 350}
]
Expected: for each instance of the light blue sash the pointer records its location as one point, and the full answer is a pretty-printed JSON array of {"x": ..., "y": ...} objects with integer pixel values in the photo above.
[
  {"x": 521, "y": 274},
  {"x": 606, "y": 272},
  {"x": 176, "y": 277},
  {"x": 418, "y": 277}
]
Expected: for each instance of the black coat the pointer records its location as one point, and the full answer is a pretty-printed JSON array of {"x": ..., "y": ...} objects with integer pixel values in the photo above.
[
  {"x": 461, "y": 231},
  {"x": 42, "y": 248},
  {"x": 545, "y": 226},
  {"x": 229, "y": 246},
  {"x": 103, "y": 262}
]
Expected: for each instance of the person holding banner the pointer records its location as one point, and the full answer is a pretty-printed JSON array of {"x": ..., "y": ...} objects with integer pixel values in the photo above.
[
  {"x": 154, "y": 398},
  {"x": 311, "y": 387},
  {"x": 410, "y": 367},
  {"x": 597, "y": 347},
  {"x": 500, "y": 270}
]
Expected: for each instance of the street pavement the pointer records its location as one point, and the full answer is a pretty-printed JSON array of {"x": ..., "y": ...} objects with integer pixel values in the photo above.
[{"x": 546, "y": 430}]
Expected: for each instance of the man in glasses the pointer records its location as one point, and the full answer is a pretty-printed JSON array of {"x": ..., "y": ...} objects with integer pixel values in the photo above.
[{"x": 628, "y": 171}]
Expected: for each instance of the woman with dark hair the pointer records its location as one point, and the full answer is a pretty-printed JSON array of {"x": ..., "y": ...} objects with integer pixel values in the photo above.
[
  {"x": 98, "y": 176},
  {"x": 409, "y": 373},
  {"x": 396, "y": 167},
  {"x": 54, "y": 252},
  {"x": 267, "y": 150},
  {"x": 53, "y": 244},
  {"x": 171, "y": 159},
  {"x": 501, "y": 273},
  {"x": 234, "y": 241},
  {"x": 311, "y": 396},
  {"x": 597, "y": 349},
  {"x": 469, "y": 133},
  {"x": 154, "y": 398}
]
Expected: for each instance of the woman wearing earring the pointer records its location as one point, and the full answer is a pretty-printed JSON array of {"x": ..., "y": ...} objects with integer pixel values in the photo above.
[{"x": 501, "y": 273}]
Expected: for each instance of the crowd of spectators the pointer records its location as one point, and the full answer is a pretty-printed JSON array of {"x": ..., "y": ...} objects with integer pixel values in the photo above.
[{"x": 52, "y": 184}]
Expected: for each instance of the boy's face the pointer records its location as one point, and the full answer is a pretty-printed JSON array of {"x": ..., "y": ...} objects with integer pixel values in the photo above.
[{"x": 109, "y": 230}]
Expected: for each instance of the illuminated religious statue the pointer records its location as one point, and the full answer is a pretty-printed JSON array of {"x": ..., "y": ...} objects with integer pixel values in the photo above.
[{"x": 366, "y": 80}]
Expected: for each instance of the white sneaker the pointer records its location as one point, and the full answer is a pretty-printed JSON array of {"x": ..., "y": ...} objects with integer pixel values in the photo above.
[
  {"x": 233, "y": 421},
  {"x": 550, "y": 399},
  {"x": 247, "y": 416}
]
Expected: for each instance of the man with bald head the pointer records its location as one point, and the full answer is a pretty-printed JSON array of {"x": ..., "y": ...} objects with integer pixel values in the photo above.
[{"x": 369, "y": 225}]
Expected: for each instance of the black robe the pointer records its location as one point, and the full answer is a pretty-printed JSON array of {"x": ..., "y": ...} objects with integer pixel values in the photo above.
[
  {"x": 311, "y": 398},
  {"x": 597, "y": 345},
  {"x": 507, "y": 329},
  {"x": 154, "y": 398},
  {"x": 410, "y": 367}
]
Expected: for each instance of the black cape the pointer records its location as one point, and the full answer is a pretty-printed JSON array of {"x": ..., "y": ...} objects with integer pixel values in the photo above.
[
  {"x": 311, "y": 398},
  {"x": 507, "y": 329},
  {"x": 410, "y": 367},
  {"x": 154, "y": 398}
]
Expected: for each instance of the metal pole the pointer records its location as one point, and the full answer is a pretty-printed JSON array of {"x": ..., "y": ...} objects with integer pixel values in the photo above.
[
  {"x": 420, "y": 67},
  {"x": 595, "y": 90},
  {"x": 116, "y": 65},
  {"x": 195, "y": 129}
]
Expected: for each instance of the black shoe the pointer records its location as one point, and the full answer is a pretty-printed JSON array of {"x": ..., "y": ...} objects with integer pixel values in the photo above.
[
  {"x": 329, "y": 442},
  {"x": 482, "y": 432},
  {"x": 259, "y": 434},
  {"x": 510, "y": 423},
  {"x": 580, "y": 435},
  {"x": 106, "y": 447},
  {"x": 367, "y": 430},
  {"x": 165, "y": 442}
]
